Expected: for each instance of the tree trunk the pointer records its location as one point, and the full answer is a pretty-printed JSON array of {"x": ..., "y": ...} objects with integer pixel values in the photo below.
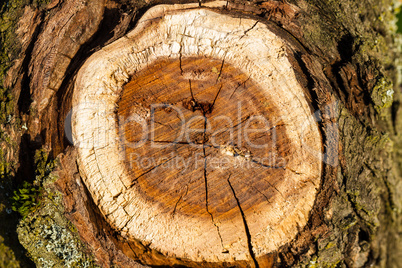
[{"x": 204, "y": 134}]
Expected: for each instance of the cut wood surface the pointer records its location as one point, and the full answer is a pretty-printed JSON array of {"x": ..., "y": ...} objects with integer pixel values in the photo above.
[
  {"x": 195, "y": 137},
  {"x": 216, "y": 134}
]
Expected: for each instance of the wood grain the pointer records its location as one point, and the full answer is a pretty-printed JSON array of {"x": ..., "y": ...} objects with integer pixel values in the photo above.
[
  {"x": 209, "y": 122},
  {"x": 195, "y": 137}
]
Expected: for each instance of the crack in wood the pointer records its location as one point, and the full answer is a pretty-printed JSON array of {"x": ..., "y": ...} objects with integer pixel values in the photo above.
[
  {"x": 272, "y": 186},
  {"x": 128, "y": 221},
  {"x": 181, "y": 52},
  {"x": 186, "y": 143},
  {"x": 257, "y": 190},
  {"x": 180, "y": 198},
  {"x": 164, "y": 124},
  {"x": 246, "y": 31},
  {"x": 113, "y": 211},
  {"x": 191, "y": 91},
  {"x": 295, "y": 172},
  {"x": 267, "y": 166},
  {"x": 217, "y": 94},
  {"x": 220, "y": 70},
  {"x": 247, "y": 230},
  {"x": 151, "y": 169},
  {"x": 224, "y": 250},
  {"x": 240, "y": 84},
  {"x": 177, "y": 190}
]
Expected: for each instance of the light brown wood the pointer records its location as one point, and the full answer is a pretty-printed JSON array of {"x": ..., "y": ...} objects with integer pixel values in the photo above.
[{"x": 242, "y": 178}]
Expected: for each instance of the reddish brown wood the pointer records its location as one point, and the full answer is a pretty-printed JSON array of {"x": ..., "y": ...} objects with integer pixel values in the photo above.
[{"x": 221, "y": 114}]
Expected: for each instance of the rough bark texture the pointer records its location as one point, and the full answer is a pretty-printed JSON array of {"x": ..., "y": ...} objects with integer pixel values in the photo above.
[{"x": 345, "y": 56}]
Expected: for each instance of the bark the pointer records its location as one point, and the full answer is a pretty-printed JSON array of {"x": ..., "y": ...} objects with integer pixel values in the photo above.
[{"x": 344, "y": 57}]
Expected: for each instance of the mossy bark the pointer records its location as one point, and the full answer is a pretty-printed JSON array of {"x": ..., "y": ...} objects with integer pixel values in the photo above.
[{"x": 346, "y": 54}]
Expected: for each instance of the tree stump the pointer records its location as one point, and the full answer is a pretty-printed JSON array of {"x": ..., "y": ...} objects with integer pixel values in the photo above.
[
  {"x": 196, "y": 138},
  {"x": 213, "y": 134}
]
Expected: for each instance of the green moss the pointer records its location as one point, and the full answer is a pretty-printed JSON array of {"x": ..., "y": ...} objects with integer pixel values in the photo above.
[
  {"x": 363, "y": 38},
  {"x": 330, "y": 245},
  {"x": 313, "y": 262},
  {"x": 354, "y": 197},
  {"x": 26, "y": 199},
  {"x": 49, "y": 241},
  {"x": 368, "y": 35},
  {"x": 320, "y": 262},
  {"x": 382, "y": 95},
  {"x": 49, "y": 237},
  {"x": 347, "y": 223},
  {"x": 399, "y": 20},
  {"x": 316, "y": 263},
  {"x": 43, "y": 165}
]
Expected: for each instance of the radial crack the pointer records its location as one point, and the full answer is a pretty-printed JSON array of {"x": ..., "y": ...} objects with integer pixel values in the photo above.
[
  {"x": 125, "y": 225},
  {"x": 191, "y": 91},
  {"x": 149, "y": 170},
  {"x": 187, "y": 143},
  {"x": 294, "y": 171},
  {"x": 246, "y": 31},
  {"x": 175, "y": 142},
  {"x": 241, "y": 122},
  {"x": 247, "y": 230},
  {"x": 180, "y": 198},
  {"x": 267, "y": 166},
  {"x": 244, "y": 85},
  {"x": 180, "y": 51},
  {"x": 220, "y": 71},
  {"x": 272, "y": 186},
  {"x": 256, "y": 189},
  {"x": 224, "y": 250},
  {"x": 216, "y": 97}
]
